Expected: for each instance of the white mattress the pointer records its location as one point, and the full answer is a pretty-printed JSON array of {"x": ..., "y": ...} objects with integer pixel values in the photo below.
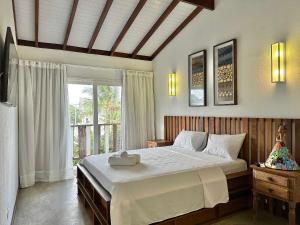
[{"x": 157, "y": 162}]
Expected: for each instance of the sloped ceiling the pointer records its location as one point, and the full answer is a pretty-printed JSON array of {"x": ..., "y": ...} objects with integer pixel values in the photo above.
[{"x": 124, "y": 28}]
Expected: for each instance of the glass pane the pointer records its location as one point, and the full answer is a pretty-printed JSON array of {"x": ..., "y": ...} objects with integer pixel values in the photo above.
[
  {"x": 81, "y": 119},
  {"x": 109, "y": 118}
]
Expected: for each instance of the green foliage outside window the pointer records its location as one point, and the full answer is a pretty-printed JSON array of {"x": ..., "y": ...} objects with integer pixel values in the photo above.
[{"x": 109, "y": 112}]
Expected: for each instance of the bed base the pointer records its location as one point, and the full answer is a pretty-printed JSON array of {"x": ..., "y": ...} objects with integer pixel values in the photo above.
[{"x": 97, "y": 200}]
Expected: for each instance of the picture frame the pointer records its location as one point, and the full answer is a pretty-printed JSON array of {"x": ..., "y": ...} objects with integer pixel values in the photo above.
[
  {"x": 197, "y": 79},
  {"x": 225, "y": 73}
]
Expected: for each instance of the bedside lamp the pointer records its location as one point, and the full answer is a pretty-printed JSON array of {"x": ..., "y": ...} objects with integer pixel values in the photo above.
[
  {"x": 278, "y": 62},
  {"x": 172, "y": 84}
]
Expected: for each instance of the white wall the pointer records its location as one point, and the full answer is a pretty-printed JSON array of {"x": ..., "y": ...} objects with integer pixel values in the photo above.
[
  {"x": 256, "y": 24},
  {"x": 75, "y": 58},
  {"x": 8, "y": 135},
  {"x": 6, "y": 18},
  {"x": 9, "y": 181}
]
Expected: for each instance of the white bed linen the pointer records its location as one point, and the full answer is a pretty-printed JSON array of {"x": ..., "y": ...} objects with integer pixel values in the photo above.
[
  {"x": 157, "y": 162},
  {"x": 181, "y": 179}
]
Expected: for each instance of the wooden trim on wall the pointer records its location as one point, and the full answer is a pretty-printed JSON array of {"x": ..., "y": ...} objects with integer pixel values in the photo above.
[
  {"x": 261, "y": 132},
  {"x": 99, "y": 24},
  {"x": 155, "y": 26},
  {"x": 36, "y": 21},
  {"x": 15, "y": 19},
  {"x": 80, "y": 49},
  {"x": 128, "y": 24},
  {"x": 178, "y": 30},
  {"x": 70, "y": 23},
  {"x": 208, "y": 4}
]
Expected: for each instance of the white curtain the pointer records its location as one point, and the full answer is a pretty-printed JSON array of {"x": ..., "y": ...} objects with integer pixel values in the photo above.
[
  {"x": 138, "y": 109},
  {"x": 45, "y": 152}
]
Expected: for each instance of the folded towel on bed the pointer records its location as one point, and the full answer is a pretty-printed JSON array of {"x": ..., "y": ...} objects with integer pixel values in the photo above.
[{"x": 124, "y": 159}]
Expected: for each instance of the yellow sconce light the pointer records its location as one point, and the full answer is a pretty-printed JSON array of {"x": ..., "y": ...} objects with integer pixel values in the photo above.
[
  {"x": 172, "y": 84},
  {"x": 278, "y": 62}
]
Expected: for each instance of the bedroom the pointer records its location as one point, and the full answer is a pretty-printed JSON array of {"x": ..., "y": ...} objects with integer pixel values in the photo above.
[{"x": 91, "y": 79}]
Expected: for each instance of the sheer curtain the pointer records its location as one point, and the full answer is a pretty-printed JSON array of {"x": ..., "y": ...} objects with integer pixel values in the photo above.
[
  {"x": 137, "y": 109},
  {"x": 45, "y": 152}
]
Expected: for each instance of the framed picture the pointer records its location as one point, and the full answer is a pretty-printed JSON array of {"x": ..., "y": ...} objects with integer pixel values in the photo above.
[
  {"x": 197, "y": 79},
  {"x": 225, "y": 78}
]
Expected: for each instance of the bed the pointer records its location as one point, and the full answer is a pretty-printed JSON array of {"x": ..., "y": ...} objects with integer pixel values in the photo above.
[{"x": 95, "y": 185}]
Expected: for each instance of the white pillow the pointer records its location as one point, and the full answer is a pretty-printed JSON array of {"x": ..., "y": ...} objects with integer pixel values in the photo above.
[
  {"x": 225, "y": 146},
  {"x": 191, "y": 139}
]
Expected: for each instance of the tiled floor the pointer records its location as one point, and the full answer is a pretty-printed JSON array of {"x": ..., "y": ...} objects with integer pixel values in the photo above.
[{"x": 57, "y": 204}]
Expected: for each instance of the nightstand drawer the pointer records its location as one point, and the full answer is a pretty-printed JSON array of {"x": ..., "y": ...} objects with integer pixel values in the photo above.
[
  {"x": 158, "y": 143},
  {"x": 152, "y": 145},
  {"x": 271, "y": 178},
  {"x": 272, "y": 190}
]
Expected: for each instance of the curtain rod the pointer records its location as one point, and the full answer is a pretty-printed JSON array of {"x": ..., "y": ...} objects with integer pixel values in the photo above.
[
  {"x": 98, "y": 67},
  {"x": 76, "y": 65}
]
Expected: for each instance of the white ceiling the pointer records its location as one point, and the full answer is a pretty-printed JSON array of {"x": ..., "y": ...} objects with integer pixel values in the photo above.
[
  {"x": 142, "y": 24},
  {"x": 53, "y": 20},
  {"x": 85, "y": 21},
  {"x": 176, "y": 17},
  {"x": 54, "y": 16},
  {"x": 116, "y": 19},
  {"x": 25, "y": 19}
]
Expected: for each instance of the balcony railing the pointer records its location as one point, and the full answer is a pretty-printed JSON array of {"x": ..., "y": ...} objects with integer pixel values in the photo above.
[{"x": 83, "y": 139}]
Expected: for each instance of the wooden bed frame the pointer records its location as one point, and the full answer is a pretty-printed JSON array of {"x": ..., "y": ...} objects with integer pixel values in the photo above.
[{"x": 258, "y": 144}]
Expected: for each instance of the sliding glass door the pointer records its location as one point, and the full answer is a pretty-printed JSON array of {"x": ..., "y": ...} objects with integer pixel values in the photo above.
[
  {"x": 109, "y": 118},
  {"x": 95, "y": 115}
]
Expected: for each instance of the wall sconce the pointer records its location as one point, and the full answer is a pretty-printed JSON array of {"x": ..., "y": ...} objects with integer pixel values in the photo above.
[
  {"x": 278, "y": 62},
  {"x": 172, "y": 84}
]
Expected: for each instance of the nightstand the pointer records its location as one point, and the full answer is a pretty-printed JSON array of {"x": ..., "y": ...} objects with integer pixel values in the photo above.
[
  {"x": 158, "y": 143},
  {"x": 277, "y": 184}
]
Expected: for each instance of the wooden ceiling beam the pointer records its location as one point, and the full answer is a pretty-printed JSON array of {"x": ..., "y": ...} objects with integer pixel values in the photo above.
[
  {"x": 178, "y": 30},
  {"x": 15, "y": 19},
  {"x": 80, "y": 49},
  {"x": 208, "y": 4},
  {"x": 128, "y": 24},
  {"x": 71, "y": 19},
  {"x": 160, "y": 20},
  {"x": 99, "y": 24},
  {"x": 36, "y": 22}
]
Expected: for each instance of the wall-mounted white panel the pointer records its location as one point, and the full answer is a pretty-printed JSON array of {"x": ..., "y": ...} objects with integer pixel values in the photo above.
[
  {"x": 8, "y": 162},
  {"x": 85, "y": 21},
  {"x": 176, "y": 17},
  {"x": 25, "y": 19},
  {"x": 116, "y": 19},
  {"x": 53, "y": 20},
  {"x": 142, "y": 24}
]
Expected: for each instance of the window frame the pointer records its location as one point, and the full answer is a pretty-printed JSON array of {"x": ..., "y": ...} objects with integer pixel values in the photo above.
[{"x": 96, "y": 110}]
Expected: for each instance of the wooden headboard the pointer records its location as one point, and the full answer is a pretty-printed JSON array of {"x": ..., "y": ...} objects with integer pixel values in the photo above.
[{"x": 261, "y": 132}]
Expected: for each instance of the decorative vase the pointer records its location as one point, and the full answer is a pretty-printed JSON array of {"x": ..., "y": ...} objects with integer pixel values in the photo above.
[{"x": 281, "y": 159}]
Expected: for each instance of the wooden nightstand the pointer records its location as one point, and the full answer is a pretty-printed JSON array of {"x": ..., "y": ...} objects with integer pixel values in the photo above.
[
  {"x": 158, "y": 143},
  {"x": 278, "y": 184}
]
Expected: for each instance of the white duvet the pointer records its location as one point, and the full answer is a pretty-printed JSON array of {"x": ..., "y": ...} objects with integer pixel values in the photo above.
[{"x": 169, "y": 182}]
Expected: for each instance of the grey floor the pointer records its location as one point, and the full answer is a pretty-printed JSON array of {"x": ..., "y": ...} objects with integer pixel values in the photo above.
[{"x": 57, "y": 204}]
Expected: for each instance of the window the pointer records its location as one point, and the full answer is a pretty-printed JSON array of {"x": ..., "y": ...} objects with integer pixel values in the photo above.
[{"x": 95, "y": 116}]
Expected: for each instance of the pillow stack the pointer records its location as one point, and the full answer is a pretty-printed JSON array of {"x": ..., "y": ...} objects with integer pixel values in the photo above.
[
  {"x": 223, "y": 145},
  {"x": 191, "y": 140}
]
